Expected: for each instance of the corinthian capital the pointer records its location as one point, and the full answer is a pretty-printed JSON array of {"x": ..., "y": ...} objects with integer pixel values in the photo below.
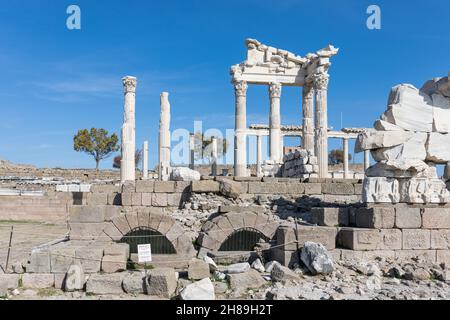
[
  {"x": 275, "y": 90},
  {"x": 320, "y": 81},
  {"x": 240, "y": 88},
  {"x": 129, "y": 84}
]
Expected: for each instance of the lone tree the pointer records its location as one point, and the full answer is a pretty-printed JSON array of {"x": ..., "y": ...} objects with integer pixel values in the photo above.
[
  {"x": 336, "y": 156},
  {"x": 95, "y": 142},
  {"x": 137, "y": 159}
]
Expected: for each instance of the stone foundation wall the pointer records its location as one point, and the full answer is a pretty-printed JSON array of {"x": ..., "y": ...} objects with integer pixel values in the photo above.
[{"x": 397, "y": 232}]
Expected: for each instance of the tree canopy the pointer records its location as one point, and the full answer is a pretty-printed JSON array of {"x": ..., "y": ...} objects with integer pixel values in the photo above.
[
  {"x": 336, "y": 156},
  {"x": 96, "y": 142}
]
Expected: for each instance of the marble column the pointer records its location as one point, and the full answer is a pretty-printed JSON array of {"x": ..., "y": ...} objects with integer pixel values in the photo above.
[
  {"x": 321, "y": 131},
  {"x": 127, "y": 163},
  {"x": 191, "y": 151},
  {"x": 366, "y": 159},
  {"x": 346, "y": 173},
  {"x": 281, "y": 148},
  {"x": 275, "y": 122},
  {"x": 308, "y": 118},
  {"x": 214, "y": 155},
  {"x": 164, "y": 138},
  {"x": 145, "y": 160},
  {"x": 259, "y": 172},
  {"x": 240, "y": 138}
]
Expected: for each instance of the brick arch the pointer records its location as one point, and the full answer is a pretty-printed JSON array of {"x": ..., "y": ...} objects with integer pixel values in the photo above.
[
  {"x": 122, "y": 224},
  {"x": 220, "y": 228}
]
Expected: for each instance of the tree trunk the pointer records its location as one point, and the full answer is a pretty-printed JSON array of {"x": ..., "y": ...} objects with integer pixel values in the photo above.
[{"x": 97, "y": 164}]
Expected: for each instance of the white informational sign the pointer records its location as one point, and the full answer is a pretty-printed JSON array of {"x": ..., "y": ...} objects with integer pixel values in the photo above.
[{"x": 144, "y": 253}]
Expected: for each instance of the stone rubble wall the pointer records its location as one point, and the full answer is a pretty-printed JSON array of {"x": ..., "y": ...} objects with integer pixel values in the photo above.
[{"x": 393, "y": 232}]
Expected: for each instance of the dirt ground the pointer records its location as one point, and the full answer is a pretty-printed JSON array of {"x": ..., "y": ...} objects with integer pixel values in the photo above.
[{"x": 26, "y": 235}]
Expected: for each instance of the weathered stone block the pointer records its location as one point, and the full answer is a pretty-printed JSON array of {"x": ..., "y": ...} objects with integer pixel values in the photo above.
[
  {"x": 136, "y": 199},
  {"x": 174, "y": 199},
  {"x": 111, "y": 231},
  {"x": 358, "y": 188},
  {"x": 205, "y": 186},
  {"x": 330, "y": 217},
  {"x": 39, "y": 262},
  {"x": 129, "y": 187},
  {"x": 313, "y": 188},
  {"x": 436, "y": 218},
  {"x": 183, "y": 186},
  {"x": 146, "y": 199},
  {"x": 121, "y": 224},
  {"x": 143, "y": 217},
  {"x": 87, "y": 213},
  {"x": 11, "y": 280},
  {"x": 117, "y": 249},
  {"x": 127, "y": 199},
  {"x": 162, "y": 282},
  {"x": 376, "y": 217},
  {"x": 112, "y": 211},
  {"x": 112, "y": 264},
  {"x": 440, "y": 239},
  {"x": 295, "y": 188},
  {"x": 242, "y": 282},
  {"x": 443, "y": 256},
  {"x": 145, "y": 186},
  {"x": 286, "y": 239},
  {"x": 38, "y": 280},
  {"x": 105, "y": 188},
  {"x": 338, "y": 188},
  {"x": 266, "y": 188},
  {"x": 134, "y": 283},
  {"x": 132, "y": 219},
  {"x": 90, "y": 259},
  {"x": 85, "y": 231},
  {"x": 174, "y": 232},
  {"x": 61, "y": 259},
  {"x": 208, "y": 242},
  {"x": 370, "y": 239},
  {"x": 97, "y": 199},
  {"x": 105, "y": 284},
  {"x": 164, "y": 186},
  {"x": 323, "y": 235},
  {"x": 198, "y": 269},
  {"x": 159, "y": 199},
  {"x": 166, "y": 224},
  {"x": 416, "y": 239},
  {"x": 408, "y": 218}
]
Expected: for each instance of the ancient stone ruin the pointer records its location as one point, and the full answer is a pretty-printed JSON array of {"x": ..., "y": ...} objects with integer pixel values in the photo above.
[
  {"x": 408, "y": 141},
  {"x": 260, "y": 236}
]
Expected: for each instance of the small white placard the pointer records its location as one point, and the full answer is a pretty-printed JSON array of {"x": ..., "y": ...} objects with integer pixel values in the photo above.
[{"x": 144, "y": 253}]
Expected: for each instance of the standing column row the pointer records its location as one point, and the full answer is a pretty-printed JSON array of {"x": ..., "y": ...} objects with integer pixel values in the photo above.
[
  {"x": 127, "y": 163},
  {"x": 240, "y": 139}
]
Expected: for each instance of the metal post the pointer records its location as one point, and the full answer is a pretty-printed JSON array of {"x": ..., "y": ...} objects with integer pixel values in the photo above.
[{"x": 9, "y": 248}]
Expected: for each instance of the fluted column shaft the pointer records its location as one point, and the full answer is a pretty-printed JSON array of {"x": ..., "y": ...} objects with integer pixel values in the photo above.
[
  {"x": 275, "y": 123},
  {"x": 308, "y": 118},
  {"x": 127, "y": 163},
  {"x": 240, "y": 140},
  {"x": 321, "y": 131}
]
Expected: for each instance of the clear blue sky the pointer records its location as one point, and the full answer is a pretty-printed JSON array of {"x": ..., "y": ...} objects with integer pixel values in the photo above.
[{"x": 55, "y": 81}]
